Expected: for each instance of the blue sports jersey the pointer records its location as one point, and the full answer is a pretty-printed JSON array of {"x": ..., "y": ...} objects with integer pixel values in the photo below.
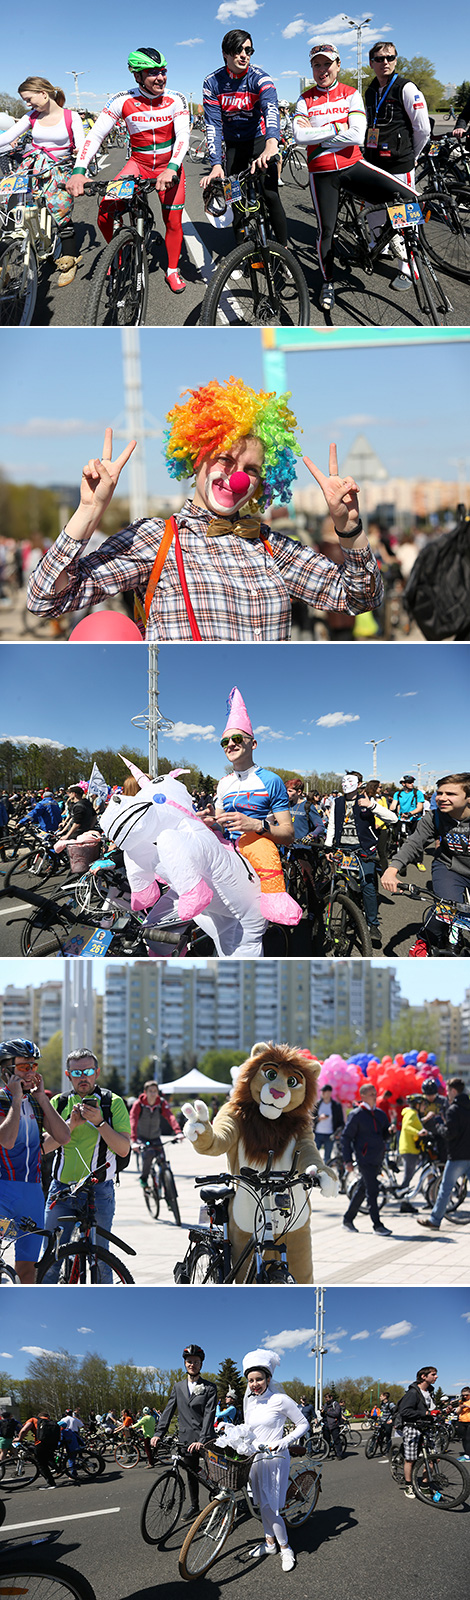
[
  {"x": 46, "y": 814},
  {"x": 255, "y": 791},
  {"x": 21, "y": 1164},
  {"x": 239, "y": 109},
  {"x": 407, "y": 801}
]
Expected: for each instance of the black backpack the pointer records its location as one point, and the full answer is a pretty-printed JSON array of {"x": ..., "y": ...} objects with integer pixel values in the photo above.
[
  {"x": 106, "y": 1102},
  {"x": 437, "y": 594},
  {"x": 48, "y": 1432},
  {"x": 7, "y": 1427}
]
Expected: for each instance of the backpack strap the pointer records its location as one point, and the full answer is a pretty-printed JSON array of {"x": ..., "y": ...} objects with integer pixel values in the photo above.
[{"x": 68, "y": 124}]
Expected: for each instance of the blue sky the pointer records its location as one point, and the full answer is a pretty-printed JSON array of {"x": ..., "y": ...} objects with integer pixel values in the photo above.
[
  {"x": 190, "y": 38},
  {"x": 440, "y": 981},
  {"x": 387, "y": 1333},
  {"x": 311, "y": 707},
  {"x": 58, "y": 396}
]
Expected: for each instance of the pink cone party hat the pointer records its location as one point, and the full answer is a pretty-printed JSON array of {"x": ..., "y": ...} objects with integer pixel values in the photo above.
[{"x": 237, "y": 714}]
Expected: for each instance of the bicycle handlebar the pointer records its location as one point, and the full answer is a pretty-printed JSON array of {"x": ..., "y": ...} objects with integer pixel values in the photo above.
[{"x": 100, "y": 185}]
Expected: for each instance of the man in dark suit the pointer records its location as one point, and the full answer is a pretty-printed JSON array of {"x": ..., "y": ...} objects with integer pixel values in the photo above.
[
  {"x": 194, "y": 1399},
  {"x": 365, "y": 1135}
]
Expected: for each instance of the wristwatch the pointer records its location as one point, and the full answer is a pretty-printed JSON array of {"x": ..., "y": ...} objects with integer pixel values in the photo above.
[{"x": 354, "y": 531}]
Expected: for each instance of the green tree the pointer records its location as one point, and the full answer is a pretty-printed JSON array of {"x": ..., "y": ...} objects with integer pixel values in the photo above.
[
  {"x": 113, "y": 1080},
  {"x": 94, "y": 1383},
  {"x": 11, "y": 104},
  {"x": 421, "y": 72},
  {"x": 51, "y": 1062},
  {"x": 462, "y": 95},
  {"x": 217, "y": 1063},
  {"x": 52, "y": 1381},
  {"x": 229, "y": 1377}
]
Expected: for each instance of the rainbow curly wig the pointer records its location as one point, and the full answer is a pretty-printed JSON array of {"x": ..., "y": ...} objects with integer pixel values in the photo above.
[{"x": 218, "y": 414}]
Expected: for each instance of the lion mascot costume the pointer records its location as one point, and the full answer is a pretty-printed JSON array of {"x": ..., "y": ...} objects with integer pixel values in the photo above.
[{"x": 270, "y": 1108}]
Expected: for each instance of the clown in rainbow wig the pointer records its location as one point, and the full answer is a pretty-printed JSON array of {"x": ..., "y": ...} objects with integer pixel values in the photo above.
[
  {"x": 215, "y": 571},
  {"x": 253, "y": 806}
]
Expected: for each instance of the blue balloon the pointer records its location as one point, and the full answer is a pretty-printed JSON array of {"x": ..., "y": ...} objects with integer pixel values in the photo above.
[
  {"x": 409, "y": 1060},
  {"x": 431, "y": 1061}
]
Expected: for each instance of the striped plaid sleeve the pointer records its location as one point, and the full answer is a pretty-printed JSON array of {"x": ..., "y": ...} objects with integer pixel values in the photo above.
[
  {"x": 123, "y": 562},
  {"x": 354, "y": 587}
]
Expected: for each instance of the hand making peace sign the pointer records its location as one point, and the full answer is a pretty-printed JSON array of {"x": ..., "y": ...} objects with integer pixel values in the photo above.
[
  {"x": 341, "y": 494},
  {"x": 99, "y": 478}
]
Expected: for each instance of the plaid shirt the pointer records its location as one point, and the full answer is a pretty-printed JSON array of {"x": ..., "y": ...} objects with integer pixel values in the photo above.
[{"x": 236, "y": 588}]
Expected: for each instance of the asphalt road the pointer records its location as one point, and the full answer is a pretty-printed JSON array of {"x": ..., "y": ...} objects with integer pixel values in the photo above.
[
  {"x": 400, "y": 919},
  {"x": 204, "y": 245},
  {"x": 364, "y": 1538}
]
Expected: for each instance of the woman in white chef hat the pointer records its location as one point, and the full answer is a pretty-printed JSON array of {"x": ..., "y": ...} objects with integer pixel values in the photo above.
[{"x": 266, "y": 1409}]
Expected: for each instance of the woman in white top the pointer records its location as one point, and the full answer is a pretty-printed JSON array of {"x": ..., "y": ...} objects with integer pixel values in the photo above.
[
  {"x": 266, "y": 1410},
  {"x": 56, "y": 133}
]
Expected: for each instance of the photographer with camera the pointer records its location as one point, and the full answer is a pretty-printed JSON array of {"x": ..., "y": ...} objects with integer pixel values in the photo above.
[{"x": 99, "y": 1131}]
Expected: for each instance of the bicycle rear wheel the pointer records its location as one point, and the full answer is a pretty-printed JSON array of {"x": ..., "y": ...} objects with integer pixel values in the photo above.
[
  {"x": 29, "y": 1573},
  {"x": 91, "y": 1463},
  {"x": 8, "y": 1276},
  {"x": 119, "y": 290},
  {"x": 151, "y": 1195},
  {"x": 443, "y": 1482},
  {"x": 447, "y": 230},
  {"x": 303, "y": 1491},
  {"x": 171, "y": 1196},
  {"x": 18, "y": 285},
  {"x": 347, "y": 931},
  {"x": 296, "y": 166},
  {"x": 354, "y": 1436},
  {"x": 204, "y": 1265},
  {"x": 19, "y": 1471},
  {"x": 433, "y": 303},
  {"x": 162, "y": 1508},
  {"x": 81, "y": 1263},
  {"x": 206, "y": 1538},
  {"x": 257, "y": 287},
  {"x": 397, "y": 1466},
  {"x": 127, "y": 1456}
]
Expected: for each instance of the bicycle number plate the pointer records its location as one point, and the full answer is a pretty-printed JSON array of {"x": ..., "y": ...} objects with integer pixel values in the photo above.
[
  {"x": 120, "y": 189},
  {"x": 14, "y": 183},
  {"x": 232, "y": 189},
  {"x": 433, "y": 149},
  {"x": 8, "y": 1228},
  {"x": 98, "y": 944},
  {"x": 405, "y": 216}
]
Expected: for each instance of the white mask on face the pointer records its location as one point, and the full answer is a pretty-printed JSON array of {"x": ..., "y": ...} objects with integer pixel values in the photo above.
[{"x": 349, "y": 783}]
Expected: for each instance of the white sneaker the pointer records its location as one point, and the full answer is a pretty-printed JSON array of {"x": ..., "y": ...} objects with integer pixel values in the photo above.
[
  {"x": 327, "y": 297},
  {"x": 263, "y": 1550},
  {"x": 287, "y": 1558},
  {"x": 409, "y": 1493}
]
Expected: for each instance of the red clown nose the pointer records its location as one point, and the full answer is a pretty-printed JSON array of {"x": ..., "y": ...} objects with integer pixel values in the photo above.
[{"x": 239, "y": 482}]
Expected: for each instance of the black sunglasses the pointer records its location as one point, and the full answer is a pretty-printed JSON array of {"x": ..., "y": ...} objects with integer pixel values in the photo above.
[
  {"x": 383, "y": 58},
  {"x": 233, "y": 738}
]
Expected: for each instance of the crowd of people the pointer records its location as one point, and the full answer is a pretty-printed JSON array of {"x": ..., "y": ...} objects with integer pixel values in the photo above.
[{"x": 369, "y": 146}]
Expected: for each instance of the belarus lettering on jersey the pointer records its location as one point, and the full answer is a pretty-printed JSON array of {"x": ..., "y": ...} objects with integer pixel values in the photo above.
[
  {"x": 333, "y": 114},
  {"x": 158, "y": 129},
  {"x": 257, "y": 792},
  {"x": 239, "y": 108}
]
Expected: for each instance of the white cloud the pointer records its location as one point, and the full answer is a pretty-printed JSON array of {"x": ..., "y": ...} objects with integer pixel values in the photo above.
[
  {"x": 335, "y": 719},
  {"x": 50, "y": 427},
  {"x": 334, "y": 28},
  {"x": 296, "y": 74},
  {"x": 334, "y": 1350},
  {"x": 189, "y": 42},
  {"x": 192, "y": 730},
  {"x": 5, "y": 1355},
  {"x": 289, "y": 1339},
  {"x": 358, "y": 419},
  {"x": 237, "y": 8},
  {"x": 29, "y": 738},
  {"x": 396, "y": 1330},
  {"x": 84, "y": 1330},
  {"x": 408, "y": 695},
  {"x": 466, "y": 1316},
  {"x": 300, "y": 26},
  {"x": 364, "y": 1334},
  {"x": 38, "y": 1350},
  {"x": 270, "y": 733}
]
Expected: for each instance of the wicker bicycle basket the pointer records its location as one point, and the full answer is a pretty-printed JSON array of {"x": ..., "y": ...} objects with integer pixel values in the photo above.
[{"x": 226, "y": 1469}]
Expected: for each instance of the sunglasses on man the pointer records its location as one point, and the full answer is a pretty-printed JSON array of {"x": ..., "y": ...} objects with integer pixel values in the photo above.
[
  {"x": 233, "y": 738},
  {"x": 82, "y": 1072}
]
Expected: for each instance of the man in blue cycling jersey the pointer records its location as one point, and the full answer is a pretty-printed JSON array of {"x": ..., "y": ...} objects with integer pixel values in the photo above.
[
  {"x": 251, "y": 799},
  {"x": 25, "y": 1116},
  {"x": 241, "y": 109},
  {"x": 46, "y": 814}
]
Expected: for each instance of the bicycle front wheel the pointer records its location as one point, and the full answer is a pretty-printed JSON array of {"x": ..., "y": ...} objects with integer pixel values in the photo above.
[
  {"x": 44, "y": 934},
  {"x": 171, "y": 1196},
  {"x": 397, "y": 1466},
  {"x": 18, "y": 285},
  {"x": 126, "y": 1456},
  {"x": 296, "y": 167},
  {"x": 91, "y": 1463},
  {"x": 257, "y": 287},
  {"x": 206, "y": 1538},
  {"x": 19, "y": 1472},
  {"x": 354, "y": 1436},
  {"x": 443, "y": 1482},
  {"x": 371, "y": 1449},
  {"x": 152, "y": 1196},
  {"x": 82, "y": 1263},
  {"x": 8, "y": 1276},
  {"x": 162, "y": 1508},
  {"x": 432, "y": 301},
  {"x": 119, "y": 291},
  {"x": 447, "y": 230},
  {"x": 303, "y": 1491},
  {"x": 29, "y": 1572},
  {"x": 204, "y": 1266},
  {"x": 347, "y": 931}
]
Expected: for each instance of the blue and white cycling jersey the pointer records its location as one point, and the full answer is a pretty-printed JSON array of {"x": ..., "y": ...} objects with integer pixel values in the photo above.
[
  {"x": 256, "y": 792},
  {"x": 21, "y": 1164},
  {"x": 239, "y": 108}
]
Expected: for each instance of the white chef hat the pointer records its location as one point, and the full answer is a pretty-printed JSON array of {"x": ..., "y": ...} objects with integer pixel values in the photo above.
[{"x": 265, "y": 1360}]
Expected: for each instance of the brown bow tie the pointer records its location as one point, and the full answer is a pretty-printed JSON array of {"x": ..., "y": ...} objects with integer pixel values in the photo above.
[{"x": 243, "y": 527}]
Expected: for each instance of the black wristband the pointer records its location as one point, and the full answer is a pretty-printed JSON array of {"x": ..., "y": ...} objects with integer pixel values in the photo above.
[{"x": 354, "y": 531}]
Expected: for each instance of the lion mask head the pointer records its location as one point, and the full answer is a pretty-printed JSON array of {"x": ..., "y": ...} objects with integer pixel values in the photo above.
[{"x": 274, "y": 1096}]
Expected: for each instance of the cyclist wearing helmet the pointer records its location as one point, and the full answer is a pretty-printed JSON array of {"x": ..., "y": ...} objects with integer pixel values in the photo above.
[
  {"x": 147, "y": 1425},
  {"x": 408, "y": 801},
  {"x": 195, "y": 1402},
  {"x": 25, "y": 1116},
  {"x": 157, "y": 122}
]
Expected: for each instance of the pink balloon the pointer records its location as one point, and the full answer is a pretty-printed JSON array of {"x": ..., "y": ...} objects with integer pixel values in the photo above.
[
  {"x": 239, "y": 482},
  {"x": 106, "y": 627}
]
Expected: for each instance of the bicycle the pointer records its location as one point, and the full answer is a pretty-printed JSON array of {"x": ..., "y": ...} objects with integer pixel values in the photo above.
[
  {"x": 294, "y": 164},
  {"x": 40, "y": 861},
  {"x": 56, "y": 928},
  {"x": 453, "y": 915},
  {"x": 368, "y": 302},
  {"x": 160, "y": 1184},
  {"x": 209, "y": 1255},
  {"x": 211, "y": 1529},
  {"x": 33, "y": 1574},
  {"x": 80, "y": 1261},
  {"x": 89, "y": 1461},
  {"x": 21, "y": 1469},
  {"x": 379, "y": 1440},
  {"x": 346, "y": 931},
  {"x": 129, "y": 1450},
  {"x": 260, "y": 283},
  {"x": 438, "y": 1480},
  {"x": 8, "y": 1233},
  {"x": 29, "y": 238},
  {"x": 120, "y": 284}
]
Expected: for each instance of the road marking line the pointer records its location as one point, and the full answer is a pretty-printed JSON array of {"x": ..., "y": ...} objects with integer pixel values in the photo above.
[
  {"x": 76, "y": 1516},
  {"x": 197, "y": 250}
]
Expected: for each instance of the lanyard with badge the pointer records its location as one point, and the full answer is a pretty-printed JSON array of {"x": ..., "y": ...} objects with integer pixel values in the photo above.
[{"x": 372, "y": 137}]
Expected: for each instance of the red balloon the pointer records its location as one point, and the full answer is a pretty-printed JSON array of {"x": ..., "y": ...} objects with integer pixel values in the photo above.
[
  {"x": 387, "y": 1061},
  {"x": 422, "y": 1055},
  {"x": 400, "y": 1061},
  {"x": 106, "y": 627},
  {"x": 239, "y": 482}
]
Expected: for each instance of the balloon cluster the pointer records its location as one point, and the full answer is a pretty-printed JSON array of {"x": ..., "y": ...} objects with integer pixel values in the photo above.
[{"x": 401, "y": 1074}]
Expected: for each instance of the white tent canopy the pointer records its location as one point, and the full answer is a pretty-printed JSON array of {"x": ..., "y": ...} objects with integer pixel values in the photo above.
[{"x": 195, "y": 1083}]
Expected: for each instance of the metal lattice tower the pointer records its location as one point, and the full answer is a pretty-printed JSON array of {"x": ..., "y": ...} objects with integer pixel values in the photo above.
[{"x": 153, "y": 718}]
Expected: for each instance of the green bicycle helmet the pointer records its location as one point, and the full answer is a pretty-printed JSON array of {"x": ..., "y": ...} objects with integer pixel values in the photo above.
[{"x": 144, "y": 60}]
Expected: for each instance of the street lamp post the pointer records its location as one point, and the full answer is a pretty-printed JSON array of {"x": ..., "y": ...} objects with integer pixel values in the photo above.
[
  {"x": 358, "y": 27},
  {"x": 374, "y": 743}
]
